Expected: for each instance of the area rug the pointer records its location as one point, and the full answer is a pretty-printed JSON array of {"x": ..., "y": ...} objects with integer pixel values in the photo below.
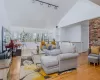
[
  {"x": 29, "y": 71},
  {"x": 4, "y": 74}
]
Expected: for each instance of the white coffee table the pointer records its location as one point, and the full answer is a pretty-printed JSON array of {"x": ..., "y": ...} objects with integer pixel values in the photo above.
[{"x": 36, "y": 57}]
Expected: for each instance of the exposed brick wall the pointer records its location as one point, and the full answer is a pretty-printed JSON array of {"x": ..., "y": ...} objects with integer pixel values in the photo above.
[{"x": 94, "y": 31}]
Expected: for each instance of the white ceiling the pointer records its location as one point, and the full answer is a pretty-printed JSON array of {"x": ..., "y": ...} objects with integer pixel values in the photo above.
[
  {"x": 79, "y": 13},
  {"x": 96, "y": 1},
  {"x": 27, "y": 14}
]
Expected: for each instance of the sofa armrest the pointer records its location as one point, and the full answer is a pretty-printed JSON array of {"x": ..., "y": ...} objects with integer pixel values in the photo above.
[{"x": 67, "y": 56}]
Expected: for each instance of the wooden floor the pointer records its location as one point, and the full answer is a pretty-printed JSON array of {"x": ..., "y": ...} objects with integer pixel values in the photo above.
[{"x": 84, "y": 71}]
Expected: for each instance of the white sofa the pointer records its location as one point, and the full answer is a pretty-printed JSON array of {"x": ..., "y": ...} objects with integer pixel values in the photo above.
[{"x": 59, "y": 60}]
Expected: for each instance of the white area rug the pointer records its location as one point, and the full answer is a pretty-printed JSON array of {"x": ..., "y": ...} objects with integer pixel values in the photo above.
[{"x": 4, "y": 74}]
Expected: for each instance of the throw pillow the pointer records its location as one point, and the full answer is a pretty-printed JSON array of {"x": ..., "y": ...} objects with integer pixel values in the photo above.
[
  {"x": 95, "y": 49},
  {"x": 55, "y": 52}
]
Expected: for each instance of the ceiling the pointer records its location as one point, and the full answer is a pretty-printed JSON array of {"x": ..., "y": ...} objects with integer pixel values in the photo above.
[
  {"x": 79, "y": 13},
  {"x": 24, "y": 13},
  {"x": 96, "y": 1}
]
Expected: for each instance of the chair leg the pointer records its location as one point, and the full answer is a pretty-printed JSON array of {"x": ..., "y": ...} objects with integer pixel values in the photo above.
[
  {"x": 94, "y": 64},
  {"x": 97, "y": 63}
]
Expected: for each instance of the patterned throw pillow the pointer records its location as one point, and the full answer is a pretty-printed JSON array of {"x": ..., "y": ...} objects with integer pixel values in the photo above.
[{"x": 49, "y": 47}]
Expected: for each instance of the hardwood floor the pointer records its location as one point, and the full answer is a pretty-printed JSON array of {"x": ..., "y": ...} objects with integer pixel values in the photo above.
[{"x": 84, "y": 71}]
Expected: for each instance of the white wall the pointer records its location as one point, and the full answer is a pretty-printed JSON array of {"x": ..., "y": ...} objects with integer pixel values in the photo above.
[
  {"x": 71, "y": 33},
  {"x": 78, "y": 34},
  {"x": 85, "y": 35}
]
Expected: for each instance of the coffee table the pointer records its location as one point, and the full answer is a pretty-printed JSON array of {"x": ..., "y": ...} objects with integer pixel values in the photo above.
[{"x": 37, "y": 57}]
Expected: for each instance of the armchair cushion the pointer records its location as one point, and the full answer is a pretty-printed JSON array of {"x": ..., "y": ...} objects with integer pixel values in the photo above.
[
  {"x": 49, "y": 61},
  {"x": 67, "y": 56},
  {"x": 95, "y": 55}
]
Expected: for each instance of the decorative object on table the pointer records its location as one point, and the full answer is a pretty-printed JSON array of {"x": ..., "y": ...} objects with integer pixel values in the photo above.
[
  {"x": 42, "y": 45},
  {"x": 37, "y": 50},
  {"x": 53, "y": 42}
]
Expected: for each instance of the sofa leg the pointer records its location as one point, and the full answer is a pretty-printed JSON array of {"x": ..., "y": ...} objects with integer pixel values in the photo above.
[
  {"x": 89, "y": 63},
  {"x": 66, "y": 70}
]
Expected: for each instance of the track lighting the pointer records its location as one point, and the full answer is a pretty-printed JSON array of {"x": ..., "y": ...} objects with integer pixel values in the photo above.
[
  {"x": 33, "y": 1},
  {"x": 49, "y": 5},
  {"x": 55, "y": 7},
  {"x": 41, "y": 3}
]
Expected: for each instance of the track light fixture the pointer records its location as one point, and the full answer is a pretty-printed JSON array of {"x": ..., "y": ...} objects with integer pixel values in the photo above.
[
  {"x": 41, "y": 3},
  {"x": 49, "y": 5},
  {"x": 33, "y": 1},
  {"x": 55, "y": 7}
]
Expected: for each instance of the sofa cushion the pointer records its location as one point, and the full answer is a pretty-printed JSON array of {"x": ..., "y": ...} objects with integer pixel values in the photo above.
[
  {"x": 55, "y": 52},
  {"x": 49, "y": 61},
  {"x": 67, "y": 56},
  {"x": 68, "y": 48},
  {"x": 46, "y": 51}
]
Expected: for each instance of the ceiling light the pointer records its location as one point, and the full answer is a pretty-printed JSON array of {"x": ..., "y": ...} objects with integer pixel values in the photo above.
[
  {"x": 49, "y": 5},
  {"x": 41, "y": 3},
  {"x": 33, "y": 1},
  {"x": 55, "y": 7}
]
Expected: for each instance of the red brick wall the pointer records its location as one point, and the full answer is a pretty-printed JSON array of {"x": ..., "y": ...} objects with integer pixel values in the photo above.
[{"x": 94, "y": 31}]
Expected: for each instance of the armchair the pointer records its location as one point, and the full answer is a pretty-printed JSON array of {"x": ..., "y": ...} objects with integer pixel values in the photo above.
[{"x": 94, "y": 55}]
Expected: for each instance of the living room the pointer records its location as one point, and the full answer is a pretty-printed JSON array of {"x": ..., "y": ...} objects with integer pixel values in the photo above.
[{"x": 49, "y": 40}]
